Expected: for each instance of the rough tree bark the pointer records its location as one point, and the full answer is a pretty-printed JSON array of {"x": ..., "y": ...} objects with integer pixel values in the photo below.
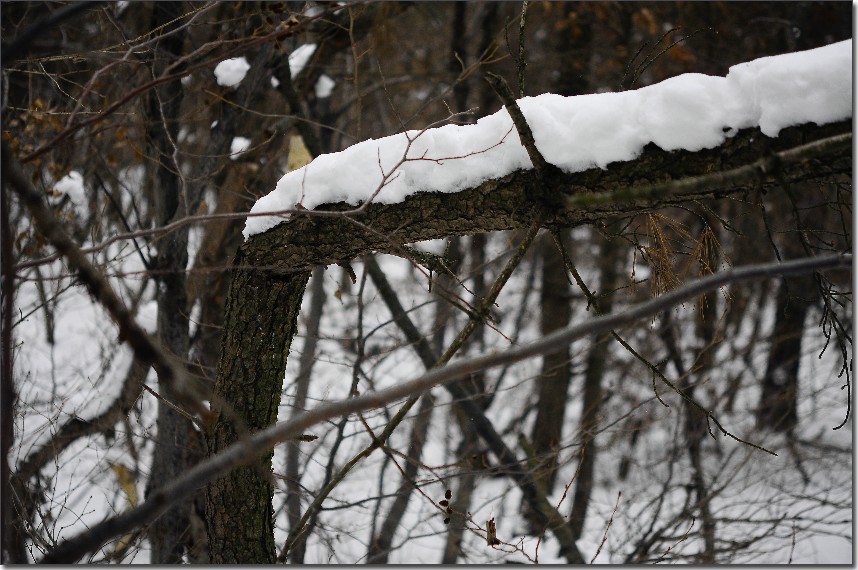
[{"x": 261, "y": 320}]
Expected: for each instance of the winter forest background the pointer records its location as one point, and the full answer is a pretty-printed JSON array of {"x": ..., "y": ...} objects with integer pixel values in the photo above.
[{"x": 717, "y": 430}]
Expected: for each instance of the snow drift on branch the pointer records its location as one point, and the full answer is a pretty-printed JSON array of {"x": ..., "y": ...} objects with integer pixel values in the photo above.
[{"x": 690, "y": 112}]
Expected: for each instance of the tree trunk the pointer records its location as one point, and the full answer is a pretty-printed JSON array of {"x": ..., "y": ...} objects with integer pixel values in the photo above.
[
  {"x": 778, "y": 408},
  {"x": 553, "y": 382},
  {"x": 592, "y": 399},
  {"x": 168, "y": 535},
  {"x": 13, "y": 513},
  {"x": 778, "y": 405},
  {"x": 259, "y": 324}
]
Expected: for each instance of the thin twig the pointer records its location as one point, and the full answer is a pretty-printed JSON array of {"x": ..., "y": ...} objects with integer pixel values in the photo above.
[
  {"x": 682, "y": 539},
  {"x": 607, "y": 528},
  {"x": 522, "y": 60},
  {"x": 174, "y": 407}
]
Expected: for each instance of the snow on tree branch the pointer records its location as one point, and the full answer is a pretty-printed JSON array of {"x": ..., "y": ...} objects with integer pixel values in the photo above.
[{"x": 690, "y": 112}]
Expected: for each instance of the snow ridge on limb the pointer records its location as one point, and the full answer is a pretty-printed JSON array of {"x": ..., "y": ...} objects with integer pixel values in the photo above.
[
  {"x": 318, "y": 236},
  {"x": 688, "y": 112}
]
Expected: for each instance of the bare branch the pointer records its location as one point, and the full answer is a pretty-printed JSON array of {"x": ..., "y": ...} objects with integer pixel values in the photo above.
[
  {"x": 522, "y": 60},
  {"x": 501, "y": 87},
  {"x": 18, "y": 48},
  {"x": 175, "y": 71}
]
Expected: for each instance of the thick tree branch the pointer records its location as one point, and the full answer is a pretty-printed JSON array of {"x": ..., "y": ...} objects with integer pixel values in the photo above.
[
  {"x": 589, "y": 196},
  {"x": 317, "y": 237},
  {"x": 769, "y": 166}
]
